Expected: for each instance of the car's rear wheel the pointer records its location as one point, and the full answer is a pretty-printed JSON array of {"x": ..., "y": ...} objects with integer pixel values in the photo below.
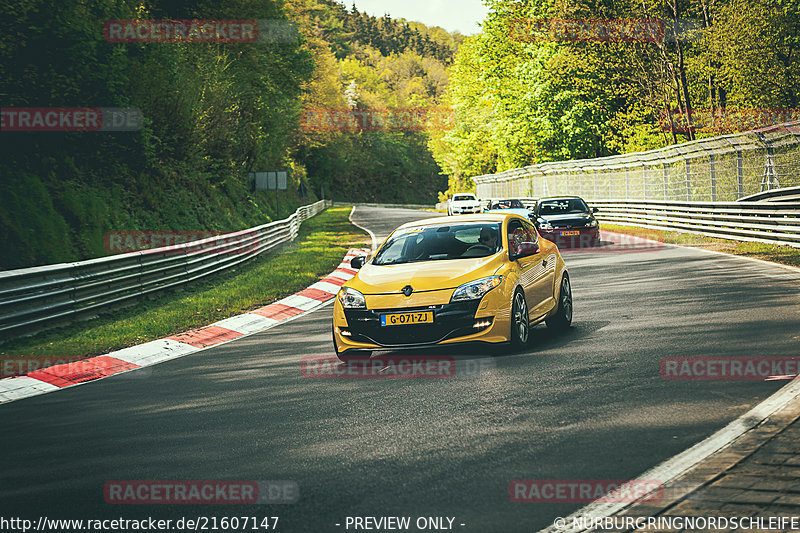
[
  {"x": 520, "y": 324},
  {"x": 563, "y": 317}
]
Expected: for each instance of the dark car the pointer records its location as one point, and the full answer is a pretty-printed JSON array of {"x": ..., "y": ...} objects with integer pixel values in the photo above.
[
  {"x": 506, "y": 204},
  {"x": 567, "y": 221}
]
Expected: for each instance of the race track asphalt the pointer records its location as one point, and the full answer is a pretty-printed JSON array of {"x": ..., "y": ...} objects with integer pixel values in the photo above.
[{"x": 587, "y": 404}]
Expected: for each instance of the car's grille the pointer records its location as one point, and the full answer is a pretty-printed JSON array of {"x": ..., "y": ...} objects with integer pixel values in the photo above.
[
  {"x": 449, "y": 321},
  {"x": 578, "y": 224}
]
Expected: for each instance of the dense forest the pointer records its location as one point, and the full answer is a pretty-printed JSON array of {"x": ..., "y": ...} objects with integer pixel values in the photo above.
[
  {"x": 212, "y": 112},
  {"x": 524, "y": 93},
  {"x": 531, "y": 87}
]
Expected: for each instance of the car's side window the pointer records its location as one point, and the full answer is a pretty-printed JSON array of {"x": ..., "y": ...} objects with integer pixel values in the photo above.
[
  {"x": 516, "y": 236},
  {"x": 530, "y": 231}
]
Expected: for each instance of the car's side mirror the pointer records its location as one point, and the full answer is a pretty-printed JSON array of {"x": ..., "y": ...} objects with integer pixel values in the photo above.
[
  {"x": 526, "y": 249},
  {"x": 595, "y": 210},
  {"x": 358, "y": 262}
]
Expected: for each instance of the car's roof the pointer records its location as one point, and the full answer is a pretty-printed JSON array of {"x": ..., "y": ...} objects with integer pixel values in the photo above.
[
  {"x": 458, "y": 219},
  {"x": 522, "y": 211},
  {"x": 561, "y": 198}
]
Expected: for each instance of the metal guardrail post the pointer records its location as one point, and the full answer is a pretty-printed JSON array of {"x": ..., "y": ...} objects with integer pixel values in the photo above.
[
  {"x": 610, "y": 186},
  {"x": 688, "y": 167},
  {"x": 713, "y": 178},
  {"x": 739, "y": 174},
  {"x": 644, "y": 181},
  {"x": 627, "y": 182}
]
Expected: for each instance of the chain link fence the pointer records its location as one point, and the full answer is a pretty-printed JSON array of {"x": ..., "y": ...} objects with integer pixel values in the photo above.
[{"x": 717, "y": 169}]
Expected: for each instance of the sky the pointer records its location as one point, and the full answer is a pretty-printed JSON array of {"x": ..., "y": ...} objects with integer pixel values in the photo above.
[{"x": 452, "y": 15}]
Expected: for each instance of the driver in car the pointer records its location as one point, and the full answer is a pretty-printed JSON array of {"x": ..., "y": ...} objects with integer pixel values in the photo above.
[{"x": 488, "y": 238}]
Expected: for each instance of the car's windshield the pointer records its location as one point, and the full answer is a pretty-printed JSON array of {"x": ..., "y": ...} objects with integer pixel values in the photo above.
[
  {"x": 564, "y": 206},
  {"x": 508, "y": 204},
  {"x": 441, "y": 242},
  {"x": 463, "y": 198}
]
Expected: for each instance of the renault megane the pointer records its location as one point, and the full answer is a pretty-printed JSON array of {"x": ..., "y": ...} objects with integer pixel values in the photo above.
[{"x": 472, "y": 278}]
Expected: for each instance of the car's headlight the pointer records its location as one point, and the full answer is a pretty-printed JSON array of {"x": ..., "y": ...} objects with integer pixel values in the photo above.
[
  {"x": 475, "y": 290},
  {"x": 543, "y": 224},
  {"x": 351, "y": 299},
  {"x": 592, "y": 224}
]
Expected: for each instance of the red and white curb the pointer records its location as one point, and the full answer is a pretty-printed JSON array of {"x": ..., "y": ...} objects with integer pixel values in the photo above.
[{"x": 151, "y": 353}]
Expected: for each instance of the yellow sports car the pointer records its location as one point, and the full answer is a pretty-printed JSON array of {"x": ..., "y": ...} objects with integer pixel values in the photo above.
[{"x": 468, "y": 278}]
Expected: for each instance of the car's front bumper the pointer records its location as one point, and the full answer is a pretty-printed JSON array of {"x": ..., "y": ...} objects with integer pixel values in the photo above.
[
  {"x": 465, "y": 210},
  {"x": 573, "y": 237},
  {"x": 452, "y": 323}
]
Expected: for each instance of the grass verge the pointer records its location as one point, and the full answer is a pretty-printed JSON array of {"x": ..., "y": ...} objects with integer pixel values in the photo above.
[
  {"x": 776, "y": 253},
  {"x": 319, "y": 248}
]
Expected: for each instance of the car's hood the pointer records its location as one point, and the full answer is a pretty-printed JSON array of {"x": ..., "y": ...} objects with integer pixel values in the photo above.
[
  {"x": 423, "y": 276},
  {"x": 570, "y": 218}
]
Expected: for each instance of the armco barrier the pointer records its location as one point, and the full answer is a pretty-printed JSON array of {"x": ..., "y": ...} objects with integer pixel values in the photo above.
[
  {"x": 688, "y": 187},
  {"x": 401, "y": 206},
  {"x": 769, "y": 222},
  {"x": 31, "y": 298},
  {"x": 774, "y": 222}
]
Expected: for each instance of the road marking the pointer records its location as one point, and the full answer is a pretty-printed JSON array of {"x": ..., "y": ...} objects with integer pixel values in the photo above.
[
  {"x": 359, "y": 226},
  {"x": 678, "y": 465},
  {"x": 154, "y": 352},
  {"x": 791, "y": 268},
  {"x": 82, "y": 371},
  {"x": 316, "y": 294},
  {"x": 278, "y": 311},
  {"x": 319, "y": 295},
  {"x": 205, "y": 337},
  {"x": 246, "y": 323},
  {"x": 20, "y": 387}
]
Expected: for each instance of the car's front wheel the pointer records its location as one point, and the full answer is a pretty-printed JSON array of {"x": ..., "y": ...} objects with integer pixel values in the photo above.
[
  {"x": 520, "y": 324},
  {"x": 563, "y": 317}
]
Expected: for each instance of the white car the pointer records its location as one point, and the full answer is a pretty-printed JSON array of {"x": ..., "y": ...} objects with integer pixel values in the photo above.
[{"x": 464, "y": 203}]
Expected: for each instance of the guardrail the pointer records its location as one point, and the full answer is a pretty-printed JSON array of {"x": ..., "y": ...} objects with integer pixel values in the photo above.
[
  {"x": 688, "y": 187},
  {"x": 31, "y": 298},
  {"x": 787, "y": 194},
  {"x": 401, "y": 206},
  {"x": 769, "y": 222}
]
